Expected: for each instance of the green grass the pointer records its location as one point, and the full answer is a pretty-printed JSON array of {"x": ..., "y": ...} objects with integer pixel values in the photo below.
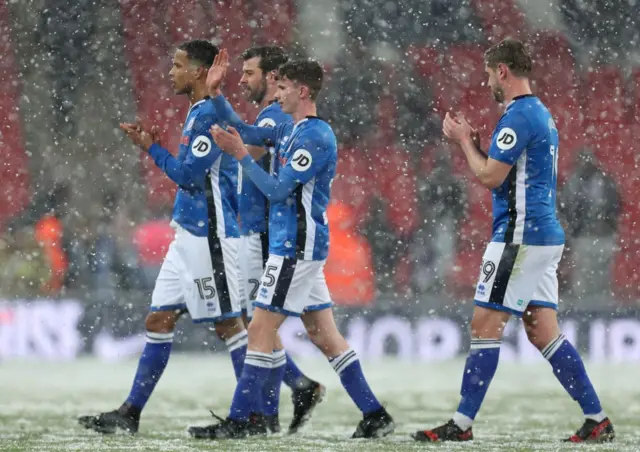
[{"x": 525, "y": 410}]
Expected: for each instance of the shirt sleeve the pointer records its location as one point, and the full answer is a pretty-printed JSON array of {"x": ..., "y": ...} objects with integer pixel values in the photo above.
[
  {"x": 253, "y": 135},
  {"x": 190, "y": 173},
  {"x": 309, "y": 154},
  {"x": 274, "y": 188},
  {"x": 308, "y": 157},
  {"x": 511, "y": 138}
]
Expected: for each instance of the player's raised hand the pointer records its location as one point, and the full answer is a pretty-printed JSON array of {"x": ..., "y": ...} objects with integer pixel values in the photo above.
[
  {"x": 475, "y": 137},
  {"x": 137, "y": 135},
  {"x": 217, "y": 72},
  {"x": 155, "y": 134},
  {"x": 229, "y": 141},
  {"x": 457, "y": 129}
]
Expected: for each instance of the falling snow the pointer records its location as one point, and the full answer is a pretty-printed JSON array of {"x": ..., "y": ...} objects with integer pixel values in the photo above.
[{"x": 86, "y": 215}]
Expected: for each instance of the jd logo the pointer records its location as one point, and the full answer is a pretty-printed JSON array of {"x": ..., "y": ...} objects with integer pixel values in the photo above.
[
  {"x": 507, "y": 138},
  {"x": 201, "y": 146},
  {"x": 301, "y": 160}
]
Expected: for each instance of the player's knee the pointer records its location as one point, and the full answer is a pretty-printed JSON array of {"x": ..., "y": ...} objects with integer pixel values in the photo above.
[
  {"x": 481, "y": 327},
  {"x": 229, "y": 328},
  {"x": 535, "y": 339},
  {"x": 325, "y": 339},
  {"x": 488, "y": 324},
  {"x": 161, "y": 321},
  {"x": 262, "y": 336},
  {"x": 541, "y": 326},
  {"x": 539, "y": 335},
  {"x": 315, "y": 336},
  {"x": 277, "y": 343},
  {"x": 256, "y": 330}
]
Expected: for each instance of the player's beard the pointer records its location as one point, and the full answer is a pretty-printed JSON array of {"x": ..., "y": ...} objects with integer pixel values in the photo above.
[
  {"x": 498, "y": 94},
  {"x": 258, "y": 96}
]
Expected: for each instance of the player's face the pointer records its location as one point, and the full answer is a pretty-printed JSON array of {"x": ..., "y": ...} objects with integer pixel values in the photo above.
[
  {"x": 287, "y": 95},
  {"x": 181, "y": 73},
  {"x": 253, "y": 81},
  {"x": 494, "y": 84}
]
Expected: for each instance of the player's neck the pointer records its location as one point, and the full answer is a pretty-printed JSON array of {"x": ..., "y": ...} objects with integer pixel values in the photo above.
[
  {"x": 305, "y": 109},
  {"x": 268, "y": 99},
  {"x": 519, "y": 88},
  {"x": 197, "y": 94}
]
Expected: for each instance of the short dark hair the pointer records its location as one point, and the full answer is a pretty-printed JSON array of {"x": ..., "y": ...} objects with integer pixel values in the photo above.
[
  {"x": 200, "y": 51},
  {"x": 513, "y": 54},
  {"x": 271, "y": 57},
  {"x": 307, "y": 72}
]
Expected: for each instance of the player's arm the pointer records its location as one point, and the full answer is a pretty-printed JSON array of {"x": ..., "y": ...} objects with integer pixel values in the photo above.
[
  {"x": 264, "y": 119},
  {"x": 299, "y": 169},
  {"x": 506, "y": 148},
  {"x": 191, "y": 172},
  {"x": 489, "y": 171},
  {"x": 257, "y": 152},
  {"x": 251, "y": 135},
  {"x": 274, "y": 188},
  {"x": 512, "y": 136}
]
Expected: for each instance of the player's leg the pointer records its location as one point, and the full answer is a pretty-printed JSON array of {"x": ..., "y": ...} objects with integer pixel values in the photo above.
[
  {"x": 568, "y": 367},
  {"x": 268, "y": 317},
  {"x": 306, "y": 393},
  {"x": 238, "y": 343},
  {"x": 224, "y": 262},
  {"x": 501, "y": 292},
  {"x": 224, "y": 259},
  {"x": 160, "y": 327},
  {"x": 234, "y": 334},
  {"x": 323, "y": 332},
  {"x": 258, "y": 363},
  {"x": 256, "y": 370},
  {"x": 297, "y": 380},
  {"x": 487, "y": 327},
  {"x": 541, "y": 324},
  {"x": 252, "y": 267},
  {"x": 272, "y": 386},
  {"x": 166, "y": 307}
]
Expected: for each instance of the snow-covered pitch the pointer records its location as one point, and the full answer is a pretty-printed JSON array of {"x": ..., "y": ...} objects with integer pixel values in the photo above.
[{"x": 525, "y": 409}]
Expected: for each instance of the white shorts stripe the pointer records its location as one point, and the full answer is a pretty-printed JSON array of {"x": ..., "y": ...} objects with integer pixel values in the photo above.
[
  {"x": 217, "y": 197},
  {"x": 521, "y": 198},
  {"x": 307, "y": 198}
]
